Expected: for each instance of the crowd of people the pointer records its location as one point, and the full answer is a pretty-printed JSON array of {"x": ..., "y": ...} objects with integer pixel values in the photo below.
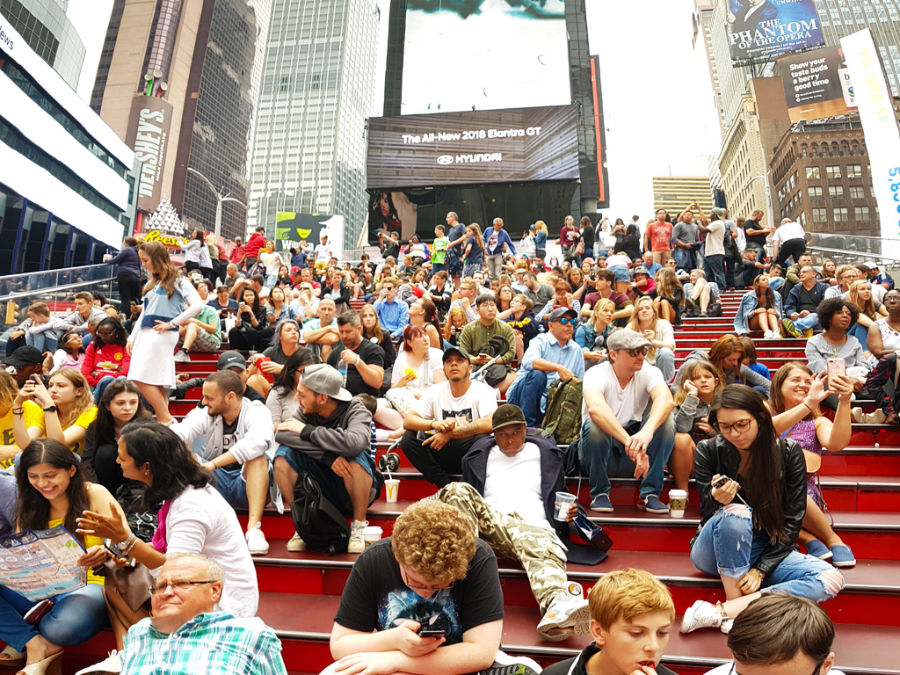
[{"x": 450, "y": 352}]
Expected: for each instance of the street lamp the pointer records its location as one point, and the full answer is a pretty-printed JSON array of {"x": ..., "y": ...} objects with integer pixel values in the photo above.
[{"x": 220, "y": 199}]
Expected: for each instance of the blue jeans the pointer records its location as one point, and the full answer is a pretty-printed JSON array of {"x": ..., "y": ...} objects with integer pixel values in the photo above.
[
  {"x": 528, "y": 393},
  {"x": 811, "y": 320},
  {"x": 43, "y": 342},
  {"x": 861, "y": 333},
  {"x": 604, "y": 457},
  {"x": 728, "y": 546},
  {"x": 684, "y": 258},
  {"x": 715, "y": 269},
  {"x": 665, "y": 361},
  {"x": 332, "y": 485},
  {"x": 76, "y": 617}
]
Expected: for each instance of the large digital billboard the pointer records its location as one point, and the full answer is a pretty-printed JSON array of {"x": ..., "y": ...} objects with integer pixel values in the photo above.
[
  {"x": 484, "y": 55},
  {"x": 489, "y": 146},
  {"x": 759, "y": 30},
  {"x": 814, "y": 83}
]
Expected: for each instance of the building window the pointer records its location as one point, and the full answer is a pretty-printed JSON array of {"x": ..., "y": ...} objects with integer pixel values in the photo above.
[
  {"x": 819, "y": 215},
  {"x": 836, "y": 191},
  {"x": 812, "y": 173},
  {"x": 833, "y": 172},
  {"x": 861, "y": 214},
  {"x": 840, "y": 214},
  {"x": 815, "y": 191},
  {"x": 857, "y": 192},
  {"x": 854, "y": 171}
]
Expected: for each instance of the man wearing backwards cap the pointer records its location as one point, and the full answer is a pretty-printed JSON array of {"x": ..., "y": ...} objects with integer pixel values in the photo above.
[
  {"x": 330, "y": 440},
  {"x": 27, "y": 361},
  {"x": 445, "y": 421},
  {"x": 509, "y": 490},
  {"x": 550, "y": 356},
  {"x": 622, "y": 434}
]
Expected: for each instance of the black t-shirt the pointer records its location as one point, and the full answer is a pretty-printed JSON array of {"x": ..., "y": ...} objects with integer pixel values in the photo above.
[
  {"x": 580, "y": 664},
  {"x": 375, "y": 596},
  {"x": 370, "y": 354},
  {"x": 754, "y": 238}
]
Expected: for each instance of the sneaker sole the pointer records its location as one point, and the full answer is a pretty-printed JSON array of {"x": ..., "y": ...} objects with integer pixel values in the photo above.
[
  {"x": 567, "y": 626},
  {"x": 601, "y": 509},
  {"x": 845, "y": 563}
]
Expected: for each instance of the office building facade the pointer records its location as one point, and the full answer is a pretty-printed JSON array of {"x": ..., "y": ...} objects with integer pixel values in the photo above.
[{"x": 676, "y": 193}]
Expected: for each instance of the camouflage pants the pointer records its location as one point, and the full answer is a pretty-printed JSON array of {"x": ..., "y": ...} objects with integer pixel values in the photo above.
[{"x": 537, "y": 548}]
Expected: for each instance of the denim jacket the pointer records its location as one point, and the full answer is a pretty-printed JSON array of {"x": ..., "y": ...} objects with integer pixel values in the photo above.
[{"x": 748, "y": 304}]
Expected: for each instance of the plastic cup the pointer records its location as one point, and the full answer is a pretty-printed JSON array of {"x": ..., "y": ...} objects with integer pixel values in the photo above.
[
  {"x": 677, "y": 503},
  {"x": 391, "y": 488},
  {"x": 563, "y": 499},
  {"x": 371, "y": 534}
]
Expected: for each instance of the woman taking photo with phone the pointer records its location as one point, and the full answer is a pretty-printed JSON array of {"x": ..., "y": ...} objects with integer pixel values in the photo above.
[
  {"x": 53, "y": 491},
  {"x": 752, "y": 501}
]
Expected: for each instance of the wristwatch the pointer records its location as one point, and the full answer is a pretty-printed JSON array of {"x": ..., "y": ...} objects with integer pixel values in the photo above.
[{"x": 51, "y": 408}]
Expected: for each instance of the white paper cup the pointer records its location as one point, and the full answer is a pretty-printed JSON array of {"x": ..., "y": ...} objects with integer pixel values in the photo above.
[
  {"x": 677, "y": 503},
  {"x": 391, "y": 488},
  {"x": 563, "y": 499},
  {"x": 371, "y": 534}
]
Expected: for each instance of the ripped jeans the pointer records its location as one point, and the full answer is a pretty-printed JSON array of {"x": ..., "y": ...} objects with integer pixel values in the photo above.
[{"x": 727, "y": 546}]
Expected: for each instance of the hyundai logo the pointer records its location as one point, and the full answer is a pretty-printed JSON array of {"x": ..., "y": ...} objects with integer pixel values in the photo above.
[{"x": 444, "y": 160}]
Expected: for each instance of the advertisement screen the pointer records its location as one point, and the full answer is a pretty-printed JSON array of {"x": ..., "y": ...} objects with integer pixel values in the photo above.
[
  {"x": 491, "y": 146},
  {"x": 484, "y": 55},
  {"x": 763, "y": 29},
  {"x": 813, "y": 83}
]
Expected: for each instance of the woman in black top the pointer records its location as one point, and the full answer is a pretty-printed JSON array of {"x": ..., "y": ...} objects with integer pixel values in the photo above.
[
  {"x": 128, "y": 276},
  {"x": 631, "y": 242},
  {"x": 587, "y": 236},
  {"x": 250, "y": 323},
  {"x": 752, "y": 501}
]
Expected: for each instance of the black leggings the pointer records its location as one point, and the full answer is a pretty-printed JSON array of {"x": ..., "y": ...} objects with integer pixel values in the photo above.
[
  {"x": 792, "y": 248},
  {"x": 129, "y": 291}
]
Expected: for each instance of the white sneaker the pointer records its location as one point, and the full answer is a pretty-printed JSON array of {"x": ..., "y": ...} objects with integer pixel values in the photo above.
[
  {"x": 111, "y": 664},
  {"x": 567, "y": 615},
  {"x": 357, "y": 543},
  {"x": 256, "y": 541},
  {"x": 182, "y": 356},
  {"x": 701, "y": 614},
  {"x": 296, "y": 544}
]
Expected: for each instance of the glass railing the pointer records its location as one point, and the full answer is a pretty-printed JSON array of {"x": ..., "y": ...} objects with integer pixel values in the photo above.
[{"x": 853, "y": 249}]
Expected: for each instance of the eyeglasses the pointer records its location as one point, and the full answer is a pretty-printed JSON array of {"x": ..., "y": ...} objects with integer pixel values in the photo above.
[
  {"x": 177, "y": 585},
  {"x": 739, "y": 426},
  {"x": 638, "y": 351},
  {"x": 566, "y": 321},
  {"x": 425, "y": 588}
]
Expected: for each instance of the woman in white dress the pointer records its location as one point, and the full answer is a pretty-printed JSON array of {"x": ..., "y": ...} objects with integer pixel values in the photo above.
[{"x": 168, "y": 302}]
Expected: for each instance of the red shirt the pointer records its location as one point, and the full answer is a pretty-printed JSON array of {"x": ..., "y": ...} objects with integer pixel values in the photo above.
[
  {"x": 238, "y": 254},
  {"x": 660, "y": 234},
  {"x": 254, "y": 243},
  {"x": 108, "y": 360},
  {"x": 568, "y": 236}
]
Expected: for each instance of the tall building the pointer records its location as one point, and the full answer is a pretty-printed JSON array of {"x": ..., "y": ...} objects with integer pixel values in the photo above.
[
  {"x": 180, "y": 79},
  {"x": 675, "y": 193},
  {"x": 66, "y": 178},
  {"x": 68, "y": 46},
  {"x": 317, "y": 90}
]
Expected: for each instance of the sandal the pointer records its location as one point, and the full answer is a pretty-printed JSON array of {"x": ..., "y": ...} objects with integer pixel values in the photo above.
[
  {"x": 52, "y": 665},
  {"x": 11, "y": 657}
]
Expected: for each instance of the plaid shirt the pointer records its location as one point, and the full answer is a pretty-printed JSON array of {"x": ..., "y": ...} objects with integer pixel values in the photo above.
[{"x": 214, "y": 642}]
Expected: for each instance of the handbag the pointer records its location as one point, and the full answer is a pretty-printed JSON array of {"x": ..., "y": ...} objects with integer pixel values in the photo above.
[
  {"x": 133, "y": 583},
  {"x": 402, "y": 399}
]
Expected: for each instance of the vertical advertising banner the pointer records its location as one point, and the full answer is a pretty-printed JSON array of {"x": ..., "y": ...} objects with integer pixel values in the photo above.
[
  {"x": 813, "y": 85},
  {"x": 876, "y": 112},
  {"x": 148, "y": 133},
  {"x": 763, "y": 29}
]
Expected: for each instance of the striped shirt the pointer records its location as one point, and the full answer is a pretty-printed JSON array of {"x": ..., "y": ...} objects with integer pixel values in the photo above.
[{"x": 213, "y": 642}]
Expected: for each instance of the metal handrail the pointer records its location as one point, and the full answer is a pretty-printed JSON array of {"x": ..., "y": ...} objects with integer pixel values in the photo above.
[
  {"x": 62, "y": 270},
  {"x": 79, "y": 286}
]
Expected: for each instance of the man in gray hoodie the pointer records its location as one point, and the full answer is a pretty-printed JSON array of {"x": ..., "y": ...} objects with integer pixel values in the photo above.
[{"x": 330, "y": 440}]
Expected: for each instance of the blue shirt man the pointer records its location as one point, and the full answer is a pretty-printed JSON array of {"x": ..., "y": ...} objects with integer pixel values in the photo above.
[
  {"x": 393, "y": 314},
  {"x": 550, "y": 356}
]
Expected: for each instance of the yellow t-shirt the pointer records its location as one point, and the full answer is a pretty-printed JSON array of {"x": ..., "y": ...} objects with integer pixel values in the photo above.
[
  {"x": 84, "y": 420},
  {"x": 33, "y": 417},
  {"x": 89, "y": 540}
]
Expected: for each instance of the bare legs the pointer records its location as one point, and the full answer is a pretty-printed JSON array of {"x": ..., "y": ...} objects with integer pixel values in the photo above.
[
  {"x": 681, "y": 462},
  {"x": 156, "y": 397}
]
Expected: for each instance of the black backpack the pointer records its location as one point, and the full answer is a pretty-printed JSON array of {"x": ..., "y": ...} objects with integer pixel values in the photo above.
[{"x": 318, "y": 522}]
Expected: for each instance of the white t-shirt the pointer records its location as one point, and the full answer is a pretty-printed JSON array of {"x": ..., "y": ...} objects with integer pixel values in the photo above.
[
  {"x": 715, "y": 238},
  {"x": 728, "y": 669},
  {"x": 788, "y": 231},
  {"x": 513, "y": 484},
  {"x": 627, "y": 404},
  {"x": 323, "y": 253},
  {"x": 272, "y": 261},
  {"x": 437, "y": 403},
  {"x": 618, "y": 261},
  {"x": 424, "y": 373}
]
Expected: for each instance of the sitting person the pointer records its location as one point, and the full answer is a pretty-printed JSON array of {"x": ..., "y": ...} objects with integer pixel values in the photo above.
[
  {"x": 801, "y": 302},
  {"x": 447, "y": 419},
  {"x": 282, "y": 398},
  {"x": 750, "y": 359},
  {"x": 237, "y": 446},
  {"x": 846, "y": 276},
  {"x": 226, "y": 307},
  {"x": 749, "y": 266},
  {"x": 522, "y": 522},
  {"x": 199, "y": 334},
  {"x": 432, "y": 570},
  {"x": 727, "y": 354},
  {"x": 701, "y": 297},
  {"x": 418, "y": 366},
  {"x": 658, "y": 332},
  {"x": 884, "y": 334},
  {"x": 40, "y": 329},
  {"x": 453, "y": 326},
  {"x": 698, "y": 384},
  {"x": 631, "y": 615},
  {"x": 780, "y": 634},
  {"x": 773, "y": 484},
  {"x": 760, "y": 309},
  {"x": 880, "y": 386},
  {"x": 870, "y": 310},
  {"x": 626, "y": 434},
  {"x": 52, "y": 491},
  {"x": 361, "y": 360},
  {"x": 520, "y": 318},
  {"x": 392, "y": 312},
  {"x": 187, "y": 626},
  {"x": 476, "y": 336},
  {"x": 551, "y": 356},
  {"x": 107, "y": 357},
  {"x": 795, "y": 400},
  {"x": 249, "y": 323},
  {"x": 69, "y": 353},
  {"x": 668, "y": 297},
  {"x": 329, "y": 438},
  {"x": 68, "y": 409},
  {"x": 321, "y": 333},
  {"x": 591, "y": 336},
  {"x": 836, "y": 316},
  {"x": 285, "y": 343},
  {"x": 28, "y": 410},
  {"x": 602, "y": 281}
]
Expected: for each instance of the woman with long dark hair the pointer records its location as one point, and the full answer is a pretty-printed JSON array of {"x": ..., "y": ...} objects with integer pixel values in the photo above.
[
  {"x": 760, "y": 309},
  {"x": 281, "y": 400},
  {"x": 169, "y": 301},
  {"x": 285, "y": 343},
  {"x": 752, "y": 501},
  {"x": 193, "y": 518},
  {"x": 52, "y": 491},
  {"x": 249, "y": 324},
  {"x": 119, "y": 405}
]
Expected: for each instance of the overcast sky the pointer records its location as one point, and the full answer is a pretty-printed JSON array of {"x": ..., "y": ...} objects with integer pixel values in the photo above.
[{"x": 657, "y": 97}]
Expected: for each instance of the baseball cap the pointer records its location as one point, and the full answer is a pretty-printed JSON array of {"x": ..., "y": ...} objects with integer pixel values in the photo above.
[
  {"x": 323, "y": 379},
  {"x": 560, "y": 312},
  {"x": 24, "y": 356},
  {"x": 453, "y": 350},
  {"x": 506, "y": 415},
  {"x": 640, "y": 269},
  {"x": 871, "y": 264},
  {"x": 231, "y": 359},
  {"x": 626, "y": 339}
]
